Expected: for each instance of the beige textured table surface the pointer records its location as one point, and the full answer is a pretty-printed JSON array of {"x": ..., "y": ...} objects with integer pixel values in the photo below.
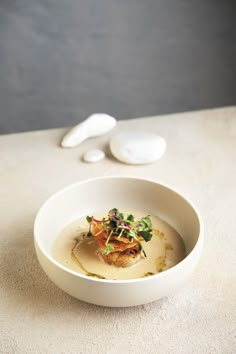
[{"x": 37, "y": 317}]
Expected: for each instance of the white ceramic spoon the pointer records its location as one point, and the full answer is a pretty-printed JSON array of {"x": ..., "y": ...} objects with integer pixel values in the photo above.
[{"x": 95, "y": 125}]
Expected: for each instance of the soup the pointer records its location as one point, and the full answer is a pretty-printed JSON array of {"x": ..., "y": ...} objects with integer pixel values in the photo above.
[{"x": 74, "y": 250}]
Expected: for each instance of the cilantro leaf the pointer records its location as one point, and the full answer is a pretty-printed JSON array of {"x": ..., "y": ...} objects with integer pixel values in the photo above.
[
  {"x": 113, "y": 224},
  {"x": 130, "y": 217},
  {"x": 113, "y": 211},
  {"x": 147, "y": 221},
  {"x": 146, "y": 235}
]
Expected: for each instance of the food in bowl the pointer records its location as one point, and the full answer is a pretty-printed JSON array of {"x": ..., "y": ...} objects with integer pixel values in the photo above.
[
  {"x": 119, "y": 245},
  {"x": 72, "y": 204}
]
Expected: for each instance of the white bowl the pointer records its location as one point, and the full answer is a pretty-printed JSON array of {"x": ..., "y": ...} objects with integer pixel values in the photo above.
[{"x": 105, "y": 193}]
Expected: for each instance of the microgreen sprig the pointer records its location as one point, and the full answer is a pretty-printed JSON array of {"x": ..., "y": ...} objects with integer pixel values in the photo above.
[{"x": 124, "y": 225}]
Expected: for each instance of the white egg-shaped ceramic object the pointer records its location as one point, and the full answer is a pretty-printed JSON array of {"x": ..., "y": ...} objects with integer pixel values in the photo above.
[
  {"x": 137, "y": 147},
  {"x": 93, "y": 155}
]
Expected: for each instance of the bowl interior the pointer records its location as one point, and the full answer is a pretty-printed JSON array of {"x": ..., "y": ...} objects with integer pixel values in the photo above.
[{"x": 121, "y": 192}]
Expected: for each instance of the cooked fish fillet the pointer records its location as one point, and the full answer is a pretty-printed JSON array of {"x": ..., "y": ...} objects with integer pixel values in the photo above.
[
  {"x": 121, "y": 259},
  {"x": 125, "y": 252}
]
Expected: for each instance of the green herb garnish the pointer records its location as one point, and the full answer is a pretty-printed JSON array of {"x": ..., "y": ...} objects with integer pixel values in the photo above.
[
  {"x": 119, "y": 225},
  {"x": 89, "y": 218}
]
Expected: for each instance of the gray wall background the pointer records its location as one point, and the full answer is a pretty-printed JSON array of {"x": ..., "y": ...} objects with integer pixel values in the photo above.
[{"x": 63, "y": 60}]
